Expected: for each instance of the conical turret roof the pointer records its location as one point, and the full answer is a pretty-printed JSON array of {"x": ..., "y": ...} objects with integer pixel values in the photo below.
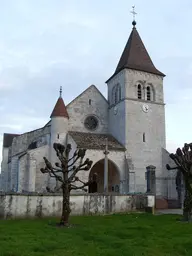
[{"x": 60, "y": 108}]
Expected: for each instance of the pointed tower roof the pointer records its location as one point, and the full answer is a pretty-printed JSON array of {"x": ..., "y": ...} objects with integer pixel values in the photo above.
[
  {"x": 60, "y": 108},
  {"x": 135, "y": 56}
]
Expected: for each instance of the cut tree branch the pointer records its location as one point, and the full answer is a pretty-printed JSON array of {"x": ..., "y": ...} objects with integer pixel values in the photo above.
[
  {"x": 75, "y": 160},
  {"x": 74, "y": 155},
  {"x": 73, "y": 187}
]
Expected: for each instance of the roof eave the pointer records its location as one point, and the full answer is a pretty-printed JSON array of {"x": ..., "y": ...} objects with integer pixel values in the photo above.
[
  {"x": 101, "y": 148},
  {"x": 64, "y": 116}
]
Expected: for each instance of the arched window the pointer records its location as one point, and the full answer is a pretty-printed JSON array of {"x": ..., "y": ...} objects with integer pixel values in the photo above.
[
  {"x": 116, "y": 94},
  {"x": 139, "y": 93},
  {"x": 148, "y": 93},
  {"x": 113, "y": 95}
]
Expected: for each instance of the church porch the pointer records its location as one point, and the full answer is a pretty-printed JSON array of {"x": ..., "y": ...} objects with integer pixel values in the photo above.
[{"x": 97, "y": 175}]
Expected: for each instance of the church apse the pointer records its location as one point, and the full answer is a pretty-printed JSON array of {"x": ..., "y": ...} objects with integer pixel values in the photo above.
[{"x": 97, "y": 175}]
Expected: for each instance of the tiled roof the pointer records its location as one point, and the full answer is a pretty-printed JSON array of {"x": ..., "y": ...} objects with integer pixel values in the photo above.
[
  {"x": 60, "y": 109},
  {"x": 8, "y": 139},
  {"x": 135, "y": 56},
  {"x": 95, "y": 141}
]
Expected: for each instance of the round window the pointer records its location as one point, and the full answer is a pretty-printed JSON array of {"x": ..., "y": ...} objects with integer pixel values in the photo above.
[{"x": 91, "y": 122}]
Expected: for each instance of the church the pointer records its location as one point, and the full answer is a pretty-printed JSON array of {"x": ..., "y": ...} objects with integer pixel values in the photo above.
[{"x": 131, "y": 120}]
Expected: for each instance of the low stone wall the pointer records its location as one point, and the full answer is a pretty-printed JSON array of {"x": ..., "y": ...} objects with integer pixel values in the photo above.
[{"x": 36, "y": 205}]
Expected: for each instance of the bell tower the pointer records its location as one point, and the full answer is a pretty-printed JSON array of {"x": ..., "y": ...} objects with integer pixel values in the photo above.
[{"x": 136, "y": 108}]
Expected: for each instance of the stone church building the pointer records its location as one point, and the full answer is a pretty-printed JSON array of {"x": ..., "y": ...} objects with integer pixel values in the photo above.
[{"x": 132, "y": 118}]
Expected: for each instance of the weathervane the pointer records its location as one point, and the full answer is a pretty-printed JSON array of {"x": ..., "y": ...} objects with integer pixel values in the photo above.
[
  {"x": 60, "y": 91},
  {"x": 134, "y": 13}
]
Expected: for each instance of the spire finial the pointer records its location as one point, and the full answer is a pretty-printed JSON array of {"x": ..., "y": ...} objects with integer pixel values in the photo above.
[
  {"x": 134, "y": 13},
  {"x": 60, "y": 92}
]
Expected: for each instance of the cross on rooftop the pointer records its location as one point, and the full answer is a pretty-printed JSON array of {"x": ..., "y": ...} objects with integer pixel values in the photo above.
[{"x": 133, "y": 12}]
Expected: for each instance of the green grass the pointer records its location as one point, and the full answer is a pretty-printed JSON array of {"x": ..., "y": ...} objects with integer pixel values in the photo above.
[{"x": 111, "y": 235}]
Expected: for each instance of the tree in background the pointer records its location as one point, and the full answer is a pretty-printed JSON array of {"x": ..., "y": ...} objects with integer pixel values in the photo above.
[
  {"x": 183, "y": 161},
  {"x": 65, "y": 172}
]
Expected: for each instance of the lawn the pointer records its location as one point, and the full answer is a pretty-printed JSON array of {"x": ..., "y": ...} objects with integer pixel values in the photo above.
[{"x": 111, "y": 235}]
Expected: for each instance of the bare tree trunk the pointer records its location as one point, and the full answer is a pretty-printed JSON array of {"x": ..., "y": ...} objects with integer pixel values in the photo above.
[
  {"x": 65, "y": 206},
  {"x": 187, "y": 209}
]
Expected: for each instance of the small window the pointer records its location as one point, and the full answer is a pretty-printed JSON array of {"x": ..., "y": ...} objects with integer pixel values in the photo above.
[
  {"x": 143, "y": 137},
  {"x": 148, "y": 93},
  {"x": 139, "y": 94},
  {"x": 89, "y": 101}
]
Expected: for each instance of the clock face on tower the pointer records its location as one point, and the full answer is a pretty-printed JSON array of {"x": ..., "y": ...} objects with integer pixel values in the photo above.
[
  {"x": 145, "y": 108},
  {"x": 91, "y": 122}
]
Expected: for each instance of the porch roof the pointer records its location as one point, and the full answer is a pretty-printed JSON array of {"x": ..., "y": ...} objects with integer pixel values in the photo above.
[{"x": 96, "y": 141}]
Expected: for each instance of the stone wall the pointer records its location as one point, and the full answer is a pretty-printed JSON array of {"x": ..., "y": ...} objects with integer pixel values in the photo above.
[
  {"x": 4, "y": 169},
  {"x": 80, "y": 108},
  {"x": 151, "y": 124},
  {"x": 117, "y": 119},
  {"x": 21, "y": 143},
  {"x": 142, "y": 133},
  {"x": 34, "y": 205}
]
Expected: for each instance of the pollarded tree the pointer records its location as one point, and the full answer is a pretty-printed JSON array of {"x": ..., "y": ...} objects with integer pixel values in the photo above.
[
  {"x": 183, "y": 161},
  {"x": 65, "y": 172}
]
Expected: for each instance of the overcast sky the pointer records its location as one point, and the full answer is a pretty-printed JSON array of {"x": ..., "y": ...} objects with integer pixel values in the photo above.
[{"x": 45, "y": 44}]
